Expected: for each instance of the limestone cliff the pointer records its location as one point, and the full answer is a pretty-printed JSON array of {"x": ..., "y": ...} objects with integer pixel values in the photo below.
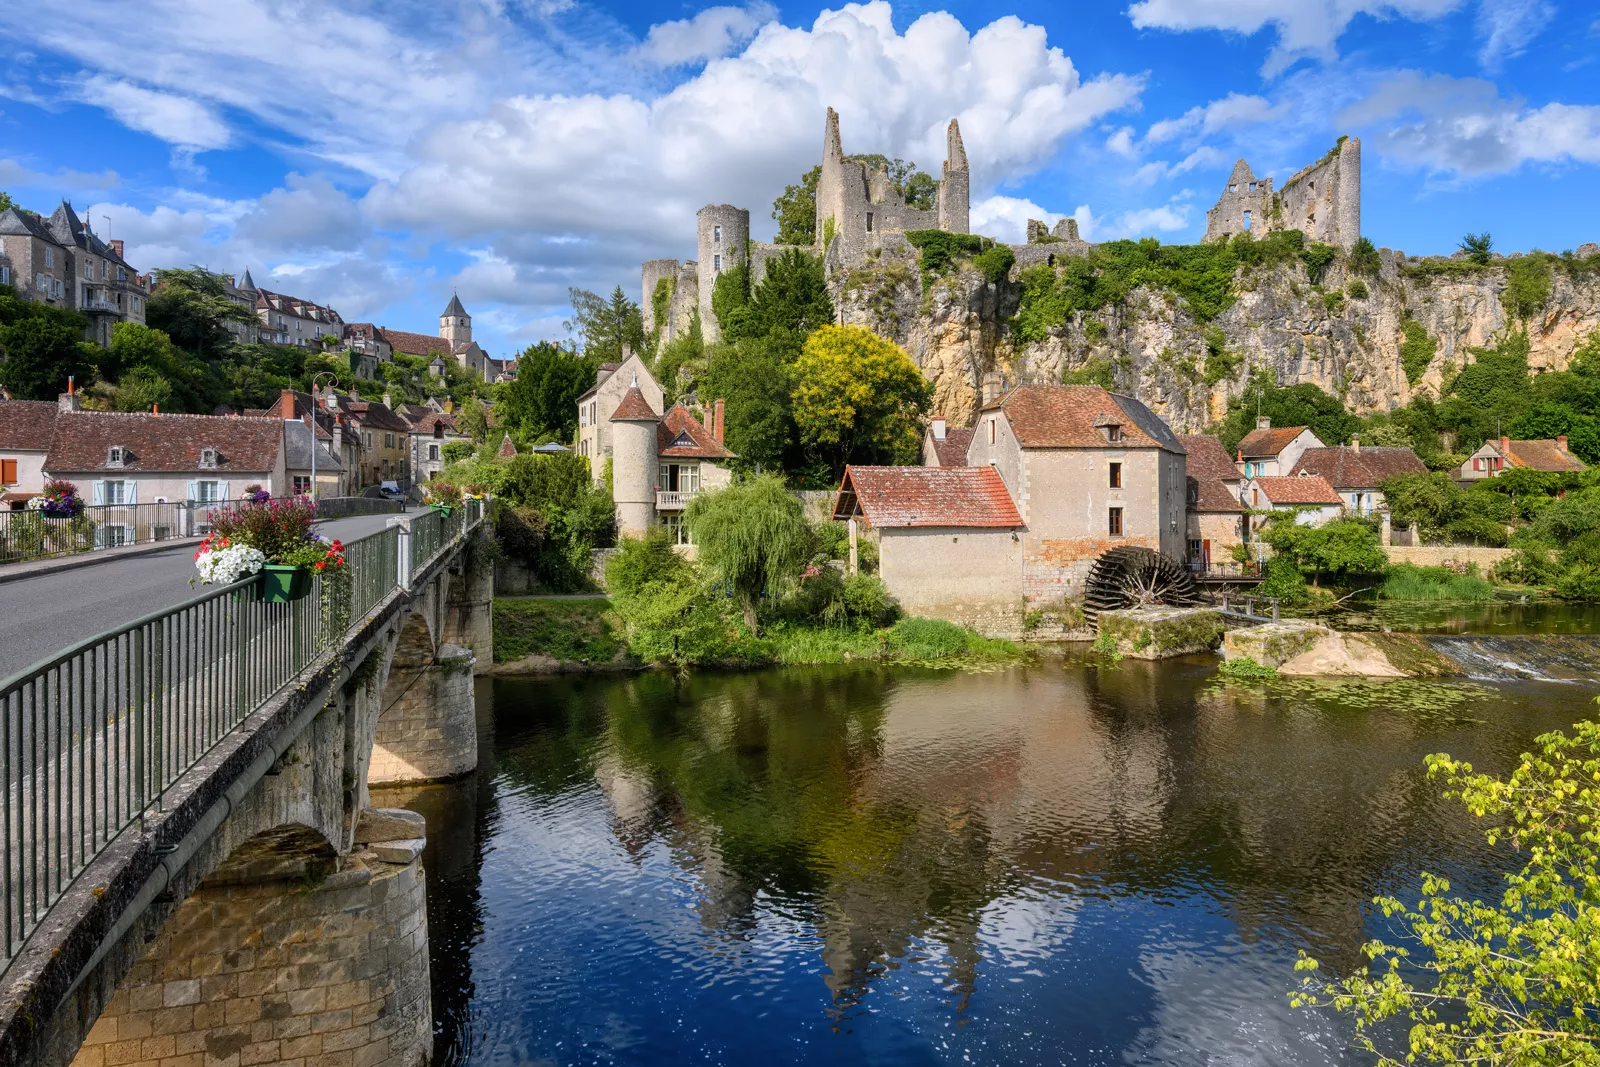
[{"x": 957, "y": 329}]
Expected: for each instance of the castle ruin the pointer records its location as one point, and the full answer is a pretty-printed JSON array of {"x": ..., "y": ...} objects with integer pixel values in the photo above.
[{"x": 1323, "y": 201}]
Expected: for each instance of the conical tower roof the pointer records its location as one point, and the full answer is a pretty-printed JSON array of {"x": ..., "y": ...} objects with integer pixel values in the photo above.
[
  {"x": 634, "y": 408},
  {"x": 246, "y": 283},
  {"x": 453, "y": 308}
]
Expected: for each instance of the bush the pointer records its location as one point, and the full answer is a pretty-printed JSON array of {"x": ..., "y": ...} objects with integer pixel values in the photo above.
[
  {"x": 935, "y": 639},
  {"x": 1284, "y": 581},
  {"x": 832, "y": 539},
  {"x": 995, "y": 263},
  {"x": 521, "y": 532},
  {"x": 1416, "y": 350},
  {"x": 865, "y": 599},
  {"x": 1406, "y": 581},
  {"x": 640, "y": 562},
  {"x": 1364, "y": 259},
  {"x": 1247, "y": 669},
  {"x": 1357, "y": 290}
]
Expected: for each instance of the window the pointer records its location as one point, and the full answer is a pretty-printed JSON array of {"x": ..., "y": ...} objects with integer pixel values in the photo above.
[
  {"x": 1252, "y": 187},
  {"x": 1114, "y": 525},
  {"x": 206, "y": 492},
  {"x": 40, "y": 284},
  {"x": 116, "y": 455},
  {"x": 5, "y": 274},
  {"x": 1194, "y": 548},
  {"x": 122, "y": 274},
  {"x": 869, "y": 222},
  {"x": 8, "y": 472},
  {"x": 88, "y": 270},
  {"x": 388, "y": 440},
  {"x": 115, "y": 536},
  {"x": 433, "y": 453},
  {"x": 302, "y": 484},
  {"x": 716, "y": 235},
  {"x": 1116, "y": 476},
  {"x": 208, "y": 458},
  {"x": 116, "y": 492},
  {"x": 1232, "y": 187},
  {"x": 1113, "y": 433},
  {"x": 49, "y": 256},
  {"x": 1247, "y": 219},
  {"x": 992, "y": 421},
  {"x": 716, "y": 264},
  {"x": 677, "y": 529},
  {"x": 366, "y": 438}
]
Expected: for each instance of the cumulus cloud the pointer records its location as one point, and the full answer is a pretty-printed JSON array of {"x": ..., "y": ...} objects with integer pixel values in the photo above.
[
  {"x": 1305, "y": 28},
  {"x": 178, "y": 120},
  {"x": 1231, "y": 111},
  {"x": 1005, "y": 218},
  {"x": 1121, "y": 142},
  {"x": 711, "y": 34},
  {"x": 1508, "y": 27},
  {"x": 1463, "y": 126}
]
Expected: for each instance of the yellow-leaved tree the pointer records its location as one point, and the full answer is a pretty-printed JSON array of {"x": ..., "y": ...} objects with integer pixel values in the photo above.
[{"x": 858, "y": 398}]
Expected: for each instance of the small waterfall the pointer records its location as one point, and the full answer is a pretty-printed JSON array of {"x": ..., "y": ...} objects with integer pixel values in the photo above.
[{"x": 1570, "y": 658}]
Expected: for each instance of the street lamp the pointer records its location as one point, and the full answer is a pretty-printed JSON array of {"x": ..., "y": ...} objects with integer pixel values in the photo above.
[{"x": 333, "y": 379}]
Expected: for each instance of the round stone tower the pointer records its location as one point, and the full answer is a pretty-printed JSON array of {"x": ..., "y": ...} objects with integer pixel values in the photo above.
[
  {"x": 633, "y": 463},
  {"x": 724, "y": 244},
  {"x": 455, "y": 325}
]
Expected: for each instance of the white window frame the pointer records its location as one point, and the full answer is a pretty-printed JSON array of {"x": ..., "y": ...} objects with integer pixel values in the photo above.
[
  {"x": 117, "y": 492},
  {"x": 204, "y": 495}
]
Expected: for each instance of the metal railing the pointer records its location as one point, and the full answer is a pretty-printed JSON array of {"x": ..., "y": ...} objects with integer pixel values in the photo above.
[{"x": 93, "y": 738}]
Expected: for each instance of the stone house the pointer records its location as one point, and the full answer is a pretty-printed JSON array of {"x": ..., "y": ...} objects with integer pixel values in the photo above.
[
  {"x": 297, "y": 461},
  {"x": 1498, "y": 453},
  {"x": 596, "y": 406},
  {"x": 32, "y": 260},
  {"x": 1274, "y": 452},
  {"x": 334, "y": 429},
  {"x": 1088, "y": 470},
  {"x": 659, "y": 463},
  {"x": 1357, "y": 474},
  {"x": 1317, "y": 501},
  {"x": 950, "y": 538},
  {"x": 453, "y": 343},
  {"x": 241, "y": 291},
  {"x": 25, "y": 430},
  {"x": 289, "y": 320},
  {"x": 430, "y": 432},
  {"x": 367, "y": 348},
  {"x": 61, "y": 262},
  {"x": 1215, "y": 519},
  {"x": 385, "y": 441},
  {"x": 945, "y": 446}
]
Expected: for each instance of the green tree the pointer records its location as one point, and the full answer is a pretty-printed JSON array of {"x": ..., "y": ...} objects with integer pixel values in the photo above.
[
  {"x": 1513, "y": 981},
  {"x": 920, "y": 190},
  {"x": 1478, "y": 247},
  {"x": 606, "y": 326},
  {"x": 858, "y": 398},
  {"x": 792, "y": 296},
  {"x": 1339, "y": 548},
  {"x": 6, "y": 202},
  {"x": 752, "y": 536},
  {"x": 192, "y": 308},
  {"x": 40, "y": 348},
  {"x": 141, "y": 389},
  {"x": 754, "y": 377},
  {"x": 795, "y": 210},
  {"x": 1364, "y": 258},
  {"x": 543, "y": 399},
  {"x": 472, "y": 421},
  {"x": 1302, "y": 404},
  {"x": 730, "y": 299}
]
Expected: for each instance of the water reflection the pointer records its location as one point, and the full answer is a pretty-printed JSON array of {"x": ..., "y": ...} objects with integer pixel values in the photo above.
[
  {"x": 1053, "y": 863},
  {"x": 1485, "y": 617}
]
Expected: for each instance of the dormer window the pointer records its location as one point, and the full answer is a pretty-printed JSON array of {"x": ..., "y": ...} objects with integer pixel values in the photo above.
[
  {"x": 116, "y": 456},
  {"x": 1113, "y": 433},
  {"x": 208, "y": 459}
]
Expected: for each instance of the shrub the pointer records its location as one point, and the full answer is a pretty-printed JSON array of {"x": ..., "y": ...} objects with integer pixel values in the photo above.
[
  {"x": 641, "y": 561},
  {"x": 1528, "y": 283},
  {"x": 1333, "y": 301},
  {"x": 1406, "y": 581},
  {"x": 865, "y": 599},
  {"x": 1364, "y": 259},
  {"x": 1357, "y": 289},
  {"x": 1246, "y": 668},
  {"x": 1416, "y": 350},
  {"x": 832, "y": 539},
  {"x": 1284, "y": 581},
  {"x": 521, "y": 532},
  {"x": 1318, "y": 258},
  {"x": 995, "y": 263}
]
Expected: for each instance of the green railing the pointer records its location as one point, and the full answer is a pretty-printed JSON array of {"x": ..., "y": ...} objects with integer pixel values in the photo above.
[{"x": 92, "y": 739}]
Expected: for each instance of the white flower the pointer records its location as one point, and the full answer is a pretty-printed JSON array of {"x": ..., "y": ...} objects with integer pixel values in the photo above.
[{"x": 224, "y": 566}]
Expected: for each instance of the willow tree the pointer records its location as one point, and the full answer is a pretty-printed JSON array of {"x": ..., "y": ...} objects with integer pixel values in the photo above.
[{"x": 752, "y": 537}]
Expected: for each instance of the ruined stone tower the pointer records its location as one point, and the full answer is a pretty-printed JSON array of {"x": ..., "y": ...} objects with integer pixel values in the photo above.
[
  {"x": 955, "y": 190},
  {"x": 724, "y": 245},
  {"x": 455, "y": 325},
  {"x": 1323, "y": 201}
]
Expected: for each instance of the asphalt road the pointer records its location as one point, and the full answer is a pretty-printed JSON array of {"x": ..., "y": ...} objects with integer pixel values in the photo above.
[{"x": 41, "y": 616}]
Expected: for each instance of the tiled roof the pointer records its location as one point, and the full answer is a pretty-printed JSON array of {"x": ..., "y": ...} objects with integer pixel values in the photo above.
[
  {"x": 1297, "y": 489},
  {"x": 1212, "y": 494},
  {"x": 1208, "y": 459},
  {"x": 375, "y": 415},
  {"x": 293, "y": 305},
  {"x": 633, "y": 408},
  {"x": 927, "y": 496},
  {"x": 1543, "y": 456},
  {"x": 25, "y": 425},
  {"x": 677, "y": 425},
  {"x": 952, "y": 451},
  {"x": 1264, "y": 443},
  {"x": 414, "y": 344},
  {"x": 17, "y": 222},
  {"x": 1345, "y": 468},
  {"x": 83, "y": 439},
  {"x": 508, "y": 447},
  {"x": 1071, "y": 416}
]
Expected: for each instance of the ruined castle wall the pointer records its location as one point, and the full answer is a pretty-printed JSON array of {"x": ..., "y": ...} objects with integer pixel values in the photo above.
[
  {"x": 649, "y": 276},
  {"x": 1238, "y": 205},
  {"x": 1324, "y": 200}
]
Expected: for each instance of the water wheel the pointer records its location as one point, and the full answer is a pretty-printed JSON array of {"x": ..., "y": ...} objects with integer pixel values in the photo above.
[{"x": 1131, "y": 576}]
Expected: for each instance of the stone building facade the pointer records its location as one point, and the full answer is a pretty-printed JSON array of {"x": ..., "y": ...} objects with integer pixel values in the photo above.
[
  {"x": 61, "y": 262},
  {"x": 1323, "y": 200},
  {"x": 660, "y": 462}
]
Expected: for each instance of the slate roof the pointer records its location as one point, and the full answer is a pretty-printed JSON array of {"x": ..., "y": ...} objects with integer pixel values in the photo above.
[
  {"x": 82, "y": 440},
  {"x": 1542, "y": 456},
  {"x": 952, "y": 451},
  {"x": 16, "y": 222},
  {"x": 681, "y": 435},
  {"x": 454, "y": 307},
  {"x": 1069, "y": 416},
  {"x": 1297, "y": 489},
  {"x": 70, "y": 230},
  {"x": 926, "y": 496},
  {"x": 1258, "y": 444},
  {"x": 633, "y": 408},
  {"x": 1346, "y": 468},
  {"x": 25, "y": 425},
  {"x": 297, "y": 449},
  {"x": 1208, "y": 459}
]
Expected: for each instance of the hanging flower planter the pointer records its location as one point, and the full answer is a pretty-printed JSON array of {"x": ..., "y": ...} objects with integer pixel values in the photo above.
[{"x": 281, "y": 584}]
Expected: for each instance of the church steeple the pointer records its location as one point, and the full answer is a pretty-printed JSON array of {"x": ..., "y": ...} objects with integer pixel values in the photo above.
[{"x": 455, "y": 325}]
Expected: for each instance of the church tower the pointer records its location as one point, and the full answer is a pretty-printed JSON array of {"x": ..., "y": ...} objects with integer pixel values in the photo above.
[{"x": 455, "y": 325}]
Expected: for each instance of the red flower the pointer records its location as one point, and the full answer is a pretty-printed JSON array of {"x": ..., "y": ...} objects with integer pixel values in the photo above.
[{"x": 320, "y": 564}]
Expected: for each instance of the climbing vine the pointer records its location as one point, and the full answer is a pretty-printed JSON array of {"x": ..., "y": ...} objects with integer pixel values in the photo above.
[{"x": 1416, "y": 350}]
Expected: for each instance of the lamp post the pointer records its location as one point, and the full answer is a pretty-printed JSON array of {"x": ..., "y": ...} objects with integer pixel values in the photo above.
[{"x": 333, "y": 379}]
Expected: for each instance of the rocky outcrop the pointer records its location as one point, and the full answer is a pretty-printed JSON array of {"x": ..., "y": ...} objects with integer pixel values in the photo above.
[
  {"x": 956, "y": 327},
  {"x": 1296, "y": 647}
]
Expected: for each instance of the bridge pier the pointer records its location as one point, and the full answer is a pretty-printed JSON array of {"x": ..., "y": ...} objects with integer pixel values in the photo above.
[
  {"x": 427, "y": 723},
  {"x": 469, "y": 614}
]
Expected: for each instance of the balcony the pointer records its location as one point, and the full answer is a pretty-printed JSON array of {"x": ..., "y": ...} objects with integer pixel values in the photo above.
[{"x": 673, "y": 500}]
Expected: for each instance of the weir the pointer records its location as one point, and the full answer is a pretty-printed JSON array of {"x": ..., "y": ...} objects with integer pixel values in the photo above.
[{"x": 194, "y": 871}]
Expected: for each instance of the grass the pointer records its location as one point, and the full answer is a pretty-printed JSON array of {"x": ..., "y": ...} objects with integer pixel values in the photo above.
[
  {"x": 928, "y": 641},
  {"x": 1407, "y": 581},
  {"x": 572, "y": 631}
]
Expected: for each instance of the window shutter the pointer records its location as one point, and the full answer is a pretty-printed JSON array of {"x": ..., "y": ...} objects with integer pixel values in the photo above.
[
  {"x": 194, "y": 490},
  {"x": 98, "y": 492},
  {"x": 131, "y": 495},
  {"x": 222, "y": 491},
  {"x": 100, "y": 535}
]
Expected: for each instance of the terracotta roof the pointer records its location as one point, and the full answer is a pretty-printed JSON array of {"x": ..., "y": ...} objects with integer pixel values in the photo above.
[
  {"x": 375, "y": 415},
  {"x": 952, "y": 451},
  {"x": 692, "y": 438},
  {"x": 425, "y": 423},
  {"x": 1070, "y": 416},
  {"x": 1543, "y": 456},
  {"x": 633, "y": 408},
  {"x": 83, "y": 439},
  {"x": 1345, "y": 468},
  {"x": 414, "y": 344},
  {"x": 1212, "y": 494},
  {"x": 926, "y": 496},
  {"x": 1297, "y": 489},
  {"x": 508, "y": 447},
  {"x": 25, "y": 425},
  {"x": 1259, "y": 443},
  {"x": 1208, "y": 459}
]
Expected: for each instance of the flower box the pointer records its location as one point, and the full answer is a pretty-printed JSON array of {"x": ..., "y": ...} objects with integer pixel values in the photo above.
[{"x": 281, "y": 584}]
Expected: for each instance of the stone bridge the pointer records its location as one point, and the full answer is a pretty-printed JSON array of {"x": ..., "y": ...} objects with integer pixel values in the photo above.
[{"x": 194, "y": 875}]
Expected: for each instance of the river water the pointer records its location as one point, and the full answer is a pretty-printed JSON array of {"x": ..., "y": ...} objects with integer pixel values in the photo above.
[{"x": 1046, "y": 864}]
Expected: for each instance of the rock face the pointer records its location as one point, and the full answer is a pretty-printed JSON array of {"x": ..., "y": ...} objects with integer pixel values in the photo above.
[
  {"x": 1296, "y": 647},
  {"x": 956, "y": 328}
]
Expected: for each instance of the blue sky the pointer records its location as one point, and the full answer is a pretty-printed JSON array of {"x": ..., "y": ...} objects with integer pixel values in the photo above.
[{"x": 375, "y": 155}]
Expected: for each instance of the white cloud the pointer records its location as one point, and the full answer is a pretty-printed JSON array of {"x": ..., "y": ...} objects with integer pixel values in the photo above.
[
  {"x": 1121, "y": 142},
  {"x": 178, "y": 120},
  {"x": 1463, "y": 126},
  {"x": 1305, "y": 28},
  {"x": 1509, "y": 26},
  {"x": 1142, "y": 222},
  {"x": 1156, "y": 170},
  {"x": 711, "y": 34},
  {"x": 14, "y": 175},
  {"x": 1232, "y": 110},
  {"x": 1005, "y": 218}
]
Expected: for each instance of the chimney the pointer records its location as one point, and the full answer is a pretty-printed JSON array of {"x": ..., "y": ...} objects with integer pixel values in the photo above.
[
  {"x": 1263, "y": 422},
  {"x": 288, "y": 405},
  {"x": 1561, "y": 442},
  {"x": 1355, "y": 443},
  {"x": 155, "y": 409},
  {"x": 938, "y": 427},
  {"x": 716, "y": 420},
  {"x": 116, "y": 246},
  {"x": 69, "y": 400},
  {"x": 1505, "y": 448},
  {"x": 388, "y": 401}
]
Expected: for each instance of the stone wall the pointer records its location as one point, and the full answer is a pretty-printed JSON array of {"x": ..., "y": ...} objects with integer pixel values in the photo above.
[
  {"x": 426, "y": 730},
  {"x": 963, "y": 574},
  {"x": 1438, "y": 555}
]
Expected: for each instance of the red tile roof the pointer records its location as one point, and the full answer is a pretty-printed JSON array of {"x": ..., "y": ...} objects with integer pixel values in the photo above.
[
  {"x": 1213, "y": 495},
  {"x": 926, "y": 496},
  {"x": 677, "y": 425},
  {"x": 1072, "y": 416},
  {"x": 1297, "y": 489},
  {"x": 1265, "y": 443},
  {"x": 82, "y": 442},
  {"x": 1543, "y": 456},
  {"x": 1208, "y": 459},
  {"x": 508, "y": 447},
  {"x": 414, "y": 344},
  {"x": 25, "y": 425},
  {"x": 952, "y": 451},
  {"x": 1346, "y": 468},
  {"x": 634, "y": 408}
]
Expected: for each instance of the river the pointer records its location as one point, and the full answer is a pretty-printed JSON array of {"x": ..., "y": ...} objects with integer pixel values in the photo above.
[{"x": 1051, "y": 863}]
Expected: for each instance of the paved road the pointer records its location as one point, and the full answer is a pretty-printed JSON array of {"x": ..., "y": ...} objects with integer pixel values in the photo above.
[{"x": 40, "y": 616}]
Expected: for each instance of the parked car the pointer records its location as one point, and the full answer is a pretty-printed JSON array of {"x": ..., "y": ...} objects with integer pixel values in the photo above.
[{"x": 391, "y": 490}]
